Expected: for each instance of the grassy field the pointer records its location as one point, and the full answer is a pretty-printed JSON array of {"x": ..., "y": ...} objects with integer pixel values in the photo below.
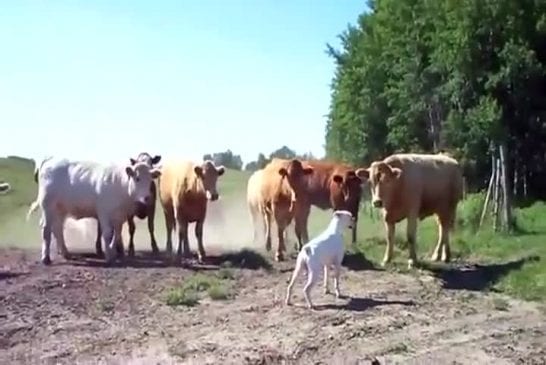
[{"x": 510, "y": 263}]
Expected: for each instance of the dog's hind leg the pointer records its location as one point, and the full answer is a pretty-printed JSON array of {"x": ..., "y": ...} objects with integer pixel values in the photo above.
[{"x": 311, "y": 279}]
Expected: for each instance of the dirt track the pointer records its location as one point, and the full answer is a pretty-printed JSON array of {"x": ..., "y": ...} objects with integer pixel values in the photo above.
[{"x": 80, "y": 312}]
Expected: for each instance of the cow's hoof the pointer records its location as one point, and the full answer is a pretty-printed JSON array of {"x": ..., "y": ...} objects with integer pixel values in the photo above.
[
  {"x": 268, "y": 247},
  {"x": 201, "y": 259},
  {"x": 100, "y": 254},
  {"x": 385, "y": 262},
  {"x": 131, "y": 253},
  {"x": 155, "y": 249},
  {"x": 46, "y": 260},
  {"x": 279, "y": 257},
  {"x": 411, "y": 263}
]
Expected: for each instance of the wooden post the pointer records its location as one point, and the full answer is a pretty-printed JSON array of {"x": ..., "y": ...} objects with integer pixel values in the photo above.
[
  {"x": 496, "y": 195},
  {"x": 489, "y": 189},
  {"x": 507, "y": 207}
]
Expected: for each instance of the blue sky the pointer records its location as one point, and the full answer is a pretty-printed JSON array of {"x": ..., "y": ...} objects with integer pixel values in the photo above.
[{"x": 105, "y": 80}]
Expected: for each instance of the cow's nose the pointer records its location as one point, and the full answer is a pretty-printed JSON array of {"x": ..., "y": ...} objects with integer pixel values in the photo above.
[
  {"x": 214, "y": 196},
  {"x": 378, "y": 203}
]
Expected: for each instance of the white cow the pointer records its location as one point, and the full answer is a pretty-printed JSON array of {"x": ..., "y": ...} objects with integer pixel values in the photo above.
[{"x": 82, "y": 189}]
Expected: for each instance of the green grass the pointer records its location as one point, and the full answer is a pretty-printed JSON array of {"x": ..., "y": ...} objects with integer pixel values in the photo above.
[
  {"x": 468, "y": 244},
  {"x": 217, "y": 286}
]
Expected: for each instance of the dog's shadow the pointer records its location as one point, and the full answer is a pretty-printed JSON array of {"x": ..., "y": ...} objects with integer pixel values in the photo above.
[{"x": 357, "y": 304}]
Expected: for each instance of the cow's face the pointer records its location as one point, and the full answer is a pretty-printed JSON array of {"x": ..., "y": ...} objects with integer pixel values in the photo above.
[
  {"x": 384, "y": 180},
  {"x": 346, "y": 190},
  {"x": 296, "y": 176},
  {"x": 146, "y": 158},
  {"x": 141, "y": 177},
  {"x": 209, "y": 174}
]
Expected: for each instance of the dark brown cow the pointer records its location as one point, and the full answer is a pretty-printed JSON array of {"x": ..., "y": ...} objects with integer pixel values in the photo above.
[
  {"x": 149, "y": 213},
  {"x": 324, "y": 184}
]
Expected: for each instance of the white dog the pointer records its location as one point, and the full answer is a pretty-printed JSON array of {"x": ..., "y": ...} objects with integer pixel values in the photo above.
[{"x": 322, "y": 251}]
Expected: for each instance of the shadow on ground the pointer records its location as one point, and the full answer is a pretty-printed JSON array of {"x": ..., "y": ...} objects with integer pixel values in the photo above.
[
  {"x": 244, "y": 259},
  {"x": 475, "y": 277},
  {"x": 357, "y": 304},
  {"x": 4, "y": 275},
  {"x": 356, "y": 261}
]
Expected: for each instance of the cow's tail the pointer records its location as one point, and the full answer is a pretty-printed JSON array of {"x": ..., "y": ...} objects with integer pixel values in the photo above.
[{"x": 32, "y": 208}]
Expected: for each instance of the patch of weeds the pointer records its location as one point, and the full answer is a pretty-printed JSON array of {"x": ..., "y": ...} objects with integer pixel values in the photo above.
[
  {"x": 190, "y": 292},
  {"x": 105, "y": 306},
  {"x": 398, "y": 348},
  {"x": 225, "y": 273},
  {"x": 181, "y": 296},
  {"x": 218, "y": 292},
  {"x": 500, "y": 304}
]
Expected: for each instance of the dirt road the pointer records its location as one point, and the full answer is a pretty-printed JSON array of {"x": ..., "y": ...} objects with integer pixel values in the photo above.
[{"x": 79, "y": 312}]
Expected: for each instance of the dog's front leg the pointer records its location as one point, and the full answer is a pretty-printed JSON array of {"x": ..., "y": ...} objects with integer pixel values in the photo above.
[
  {"x": 337, "y": 270},
  {"x": 326, "y": 289}
]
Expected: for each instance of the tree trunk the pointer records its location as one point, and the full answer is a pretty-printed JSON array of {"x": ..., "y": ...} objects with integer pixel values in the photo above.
[{"x": 507, "y": 201}]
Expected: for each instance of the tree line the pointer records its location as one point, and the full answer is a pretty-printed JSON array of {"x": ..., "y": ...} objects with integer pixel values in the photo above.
[
  {"x": 467, "y": 77},
  {"x": 233, "y": 161}
]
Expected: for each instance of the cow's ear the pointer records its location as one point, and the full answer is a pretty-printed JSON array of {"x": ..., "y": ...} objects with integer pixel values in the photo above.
[
  {"x": 132, "y": 160},
  {"x": 155, "y": 173},
  {"x": 220, "y": 170},
  {"x": 129, "y": 170},
  {"x": 198, "y": 171},
  {"x": 338, "y": 179},
  {"x": 156, "y": 159},
  {"x": 283, "y": 172},
  {"x": 396, "y": 172},
  {"x": 308, "y": 170},
  {"x": 363, "y": 174}
]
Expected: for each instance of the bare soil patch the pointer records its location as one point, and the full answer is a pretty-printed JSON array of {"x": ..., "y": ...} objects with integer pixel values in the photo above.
[{"x": 79, "y": 312}]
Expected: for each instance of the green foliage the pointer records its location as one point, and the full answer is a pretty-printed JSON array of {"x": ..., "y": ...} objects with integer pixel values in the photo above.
[
  {"x": 189, "y": 292},
  {"x": 420, "y": 76},
  {"x": 227, "y": 159}
]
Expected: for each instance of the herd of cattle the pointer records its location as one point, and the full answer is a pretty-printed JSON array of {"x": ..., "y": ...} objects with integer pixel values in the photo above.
[{"x": 412, "y": 186}]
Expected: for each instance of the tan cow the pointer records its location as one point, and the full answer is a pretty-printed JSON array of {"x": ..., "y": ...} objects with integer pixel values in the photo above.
[
  {"x": 415, "y": 186},
  {"x": 184, "y": 189},
  {"x": 270, "y": 195},
  {"x": 324, "y": 184}
]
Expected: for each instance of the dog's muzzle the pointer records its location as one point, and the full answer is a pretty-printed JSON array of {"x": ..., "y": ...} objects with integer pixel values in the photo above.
[{"x": 141, "y": 210}]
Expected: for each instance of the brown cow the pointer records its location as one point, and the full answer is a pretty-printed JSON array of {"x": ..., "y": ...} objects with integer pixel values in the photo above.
[
  {"x": 415, "y": 186},
  {"x": 273, "y": 198},
  {"x": 326, "y": 185},
  {"x": 184, "y": 189},
  {"x": 148, "y": 213}
]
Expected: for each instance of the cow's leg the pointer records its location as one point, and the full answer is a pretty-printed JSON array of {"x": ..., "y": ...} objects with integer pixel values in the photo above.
[
  {"x": 442, "y": 250},
  {"x": 151, "y": 220},
  {"x": 115, "y": 241},
  {"x": 300, "y": 222},
  {"x": 107, "y": 236},
  {"x": 267, "y": 221},
  {"x": 46, "y": 239},
  {"x": 389, "y": 229},
  {"x": 411, "y": 233},
  {"x": 170, "y": 225},
  {"x": 58, "y": 233},
  {"x": 98, "y": 241},
  {"x": 183, "y": 242},
  {"x": 326, "y": 289},
  {"x": 353, "y": 238},
  {"x": 281, "y": 248},
  {"x": 132, "y": 228},
  {"x": 199, "y": 235}
]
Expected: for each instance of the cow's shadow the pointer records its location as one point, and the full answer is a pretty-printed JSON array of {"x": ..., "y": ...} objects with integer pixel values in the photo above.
[
  {"x": 243, "y": 259},
  {"x": 357, "y": 304},
  {"x": 357, "y": 261},
  {"x": 475, "y": 277}
]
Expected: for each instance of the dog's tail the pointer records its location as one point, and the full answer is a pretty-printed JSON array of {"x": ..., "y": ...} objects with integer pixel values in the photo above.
[{"x": 300, "y": 263}]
